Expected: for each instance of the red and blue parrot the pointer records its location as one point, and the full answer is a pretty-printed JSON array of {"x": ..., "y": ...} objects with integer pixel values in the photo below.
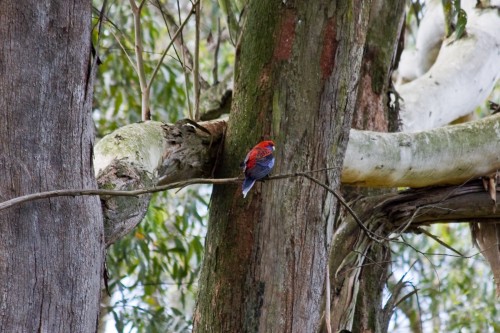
[{"x": 257, "y": 164}]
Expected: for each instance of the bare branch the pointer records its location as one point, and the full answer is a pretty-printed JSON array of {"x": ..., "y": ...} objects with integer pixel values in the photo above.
[
  {"x": 124, "y": 51},
  {"x": 215, "y": 69},
  {"x": 367, "y": 231},
  {"x": 133, "y": 193},
  {"x": 121, "y": 34},
  {"x": 196, "y": 69},
  {"x": 171, "y": 24},
  {"x": 427, "y": 233},
  {"x": 136, "y": 12},
  {"x": 186, "y": 76},
  {"x": 177, "y": 33}
]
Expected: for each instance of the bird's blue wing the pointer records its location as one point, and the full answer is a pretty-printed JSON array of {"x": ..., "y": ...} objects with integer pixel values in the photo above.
[{"x": 262, "y": 168}]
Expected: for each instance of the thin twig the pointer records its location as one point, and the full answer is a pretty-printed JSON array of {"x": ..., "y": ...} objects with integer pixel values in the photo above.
[
  {"x": 374, "y": 237},
  {"x": 426, "y": 257},
  {"x": 93, "y": 64},
  {"x": 196, "y": 69},
  {"x": 136, "y": 12},
  {"x": 124, "y": 51},
  {"x": 347, "y": 270},
  {"x": 444, "y": 254},
  {"x": 132, "y": 193},
  {"x": 166, "y": 18},
  {"x": 186, "y": 56},
  {"x": 177, "y": 33},
  {"x": 114, "y": 26},
  {"x": 328, "y": 321},
  {"x": 425, "y": 232},
  {"x": 401, "y": 229},
  {"x": 99, "y": 30},
  {"x": 186, "y": 76},
  {"x": 215, "y": 70}
]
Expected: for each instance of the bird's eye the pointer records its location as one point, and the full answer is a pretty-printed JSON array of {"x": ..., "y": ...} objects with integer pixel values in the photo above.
[{"x": 272, "y": 148}]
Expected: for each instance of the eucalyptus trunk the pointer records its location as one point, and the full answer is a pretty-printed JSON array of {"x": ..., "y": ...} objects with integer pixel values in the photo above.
[
  {"x": 51, "y": 250},
  {"x": 360, "y": 267},
  {"x": 296, "y": 82}
]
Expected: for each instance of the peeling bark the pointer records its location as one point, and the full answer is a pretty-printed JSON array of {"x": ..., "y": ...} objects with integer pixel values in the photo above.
[
  {"x": 441, "y": 204},
  {"x": 486, "y": 236},
  {"x": 387, "y": 214}
]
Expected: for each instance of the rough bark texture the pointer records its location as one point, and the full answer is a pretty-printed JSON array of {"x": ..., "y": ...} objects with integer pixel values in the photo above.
[
  {"x": 358, "y": 292},
  {"x": 296, "y": 82},
  {"x": 461, "y": 203},
  {"x": 52, "y": 250},
  {"x": 122, "y": 214},
  {"x": 380, "y": 56}
]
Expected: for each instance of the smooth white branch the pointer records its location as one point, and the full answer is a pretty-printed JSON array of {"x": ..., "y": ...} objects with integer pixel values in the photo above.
[
  {"x": 462, "y": 77},
  {"x": 447, "y": 155}
]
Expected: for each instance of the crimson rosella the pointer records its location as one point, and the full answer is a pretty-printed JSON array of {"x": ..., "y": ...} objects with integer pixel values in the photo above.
[{"x": 257, "y": 164}]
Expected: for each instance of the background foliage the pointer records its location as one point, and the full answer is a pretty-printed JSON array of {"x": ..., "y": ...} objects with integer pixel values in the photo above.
[
  {"x": 153, "y": 271},
  {"x": 455, "y": 294}
]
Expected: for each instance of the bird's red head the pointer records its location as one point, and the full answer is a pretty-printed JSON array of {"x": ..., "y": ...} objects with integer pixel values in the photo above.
[{"x": 266, "y": 144}]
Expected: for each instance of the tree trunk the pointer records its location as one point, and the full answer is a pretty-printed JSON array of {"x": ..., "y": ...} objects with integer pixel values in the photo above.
[
  {"x": 358, "y": 290},
  {"x": 51, "y": 250},
  {"x": 296, "y": 82}
]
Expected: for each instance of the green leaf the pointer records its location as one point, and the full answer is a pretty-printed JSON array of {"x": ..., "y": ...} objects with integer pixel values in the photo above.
[{"x": 461, "y": 24}]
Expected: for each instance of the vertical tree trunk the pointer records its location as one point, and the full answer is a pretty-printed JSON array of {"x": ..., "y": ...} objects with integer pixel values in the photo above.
[
  {"x": 296, "y": 82},
  {"x": 51, "y": 250},
  {"x": 359, "y": 283}
]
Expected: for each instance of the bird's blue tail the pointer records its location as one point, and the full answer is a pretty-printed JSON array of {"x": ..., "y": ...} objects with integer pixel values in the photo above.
[{"x": 247, "y": 185}]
